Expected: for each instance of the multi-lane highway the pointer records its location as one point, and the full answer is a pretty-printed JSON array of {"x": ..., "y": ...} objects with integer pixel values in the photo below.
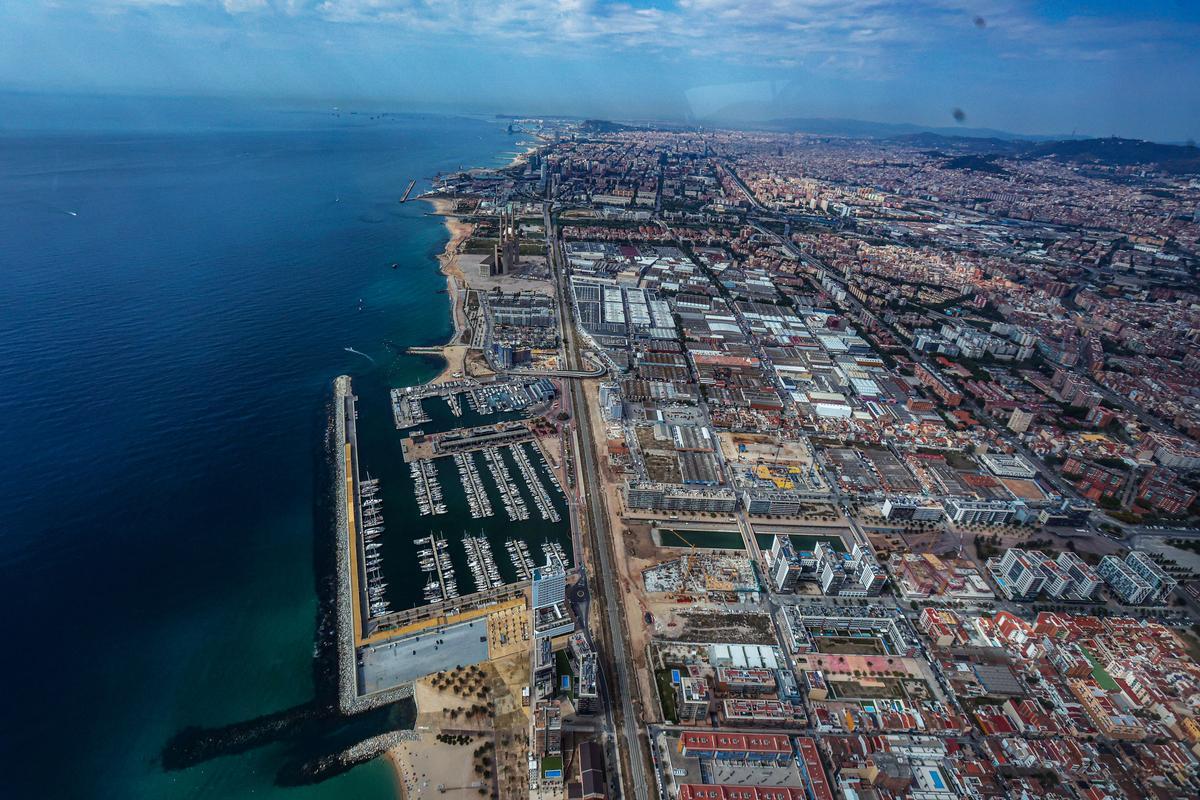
[{"x": 628, "y": 744}]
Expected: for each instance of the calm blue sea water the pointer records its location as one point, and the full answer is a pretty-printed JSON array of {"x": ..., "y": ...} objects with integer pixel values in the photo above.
[{"x": 173, "y": 306}]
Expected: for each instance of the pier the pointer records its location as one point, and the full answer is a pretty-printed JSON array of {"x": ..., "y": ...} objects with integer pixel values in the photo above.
[
  {"x": 407, "y": 410},
  {"x": 477, "y": 499},
  {"x": 556, "y": 555},
  {"x": 426, "y": 487},
  {"x": 465, "y": 440},
  {"x": 510, "y": 495},
  {"x": 371, "y": 516},
  {"x": 541, "y": 497},
  {"x": 435, "y": 560},
  {"x": 408, "y": 191},
  {"x": 482, "y": 562},
  {"x": 518, "y": 553}
]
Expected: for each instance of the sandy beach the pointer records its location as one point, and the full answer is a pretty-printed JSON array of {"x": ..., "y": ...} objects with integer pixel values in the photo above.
[
  {"x": 423, "y": 765},
  {"x": 521, "y": 158},
  {"x": 426, "y": 767},
  {"x": 455, "y": 352},
  {"x": 484, "y": 751}
]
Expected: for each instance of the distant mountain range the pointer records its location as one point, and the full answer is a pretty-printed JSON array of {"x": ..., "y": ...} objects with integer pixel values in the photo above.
[
  {"x": 1122, "y": 152},
  {"x": 885, "y": 130},
  {"x": 606, "y": 126},
  {"x": 966, "y": 152},
  {"x": 970, "y": 148}
]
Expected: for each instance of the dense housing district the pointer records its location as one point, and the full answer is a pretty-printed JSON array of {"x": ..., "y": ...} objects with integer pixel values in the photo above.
[{"x": 881, "y": 458}]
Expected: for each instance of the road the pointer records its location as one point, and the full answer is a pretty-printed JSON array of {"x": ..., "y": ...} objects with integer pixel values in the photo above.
[
  {"x": 596, "y": 513},
  {"x": 852, "y": 304}
]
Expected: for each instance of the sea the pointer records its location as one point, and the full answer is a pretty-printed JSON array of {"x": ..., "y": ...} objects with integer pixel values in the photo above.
[{"x": 179, "y": 283}]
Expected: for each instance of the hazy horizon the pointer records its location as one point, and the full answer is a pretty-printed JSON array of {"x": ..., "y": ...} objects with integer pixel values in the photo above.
[{"x": 1022, "y": 67}]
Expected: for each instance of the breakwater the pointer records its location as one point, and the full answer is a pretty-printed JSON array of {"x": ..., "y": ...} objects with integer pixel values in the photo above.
[
  {"x": 348, "y": 608},
  {"x": 314, "y": 770},
  {"x": 336, "y": 730}
]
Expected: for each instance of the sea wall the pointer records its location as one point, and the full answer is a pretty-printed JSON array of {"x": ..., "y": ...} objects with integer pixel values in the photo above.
[
  {"x": 346, "y": 664},
  {"x": 349, "y": 699}
]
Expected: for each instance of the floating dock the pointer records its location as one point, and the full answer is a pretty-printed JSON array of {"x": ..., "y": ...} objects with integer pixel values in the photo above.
[
  {"x": 518, "y": 553},
  {"x": 477, "y": 498},
  {"x": 510, "y": 495},
  {"x": 482, "y": 563},
  {"x": 541, "y": 497},
  {"x": 426, "y": 487},
  {"x": 407, "y": 410},
  {"x": 435, "y": 560}
]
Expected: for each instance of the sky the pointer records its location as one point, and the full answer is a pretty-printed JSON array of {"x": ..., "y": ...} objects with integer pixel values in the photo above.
[{"x": 1107, "y": 67}]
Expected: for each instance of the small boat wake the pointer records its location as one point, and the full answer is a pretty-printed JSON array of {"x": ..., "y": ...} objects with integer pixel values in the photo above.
[
  {"x": 52, "y": 207},
  {"x": 359, "y": 352}
]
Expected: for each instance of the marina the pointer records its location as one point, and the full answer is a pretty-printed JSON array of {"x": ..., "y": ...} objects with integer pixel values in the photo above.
[
  {"x": 477, "y": 499},
  {"x": 481, "y": 562},
  {"x": 426, "y": 487},
  {"x": 541, "y": 497},
  {"x": 371, "y": 509},
  {"x": 510, "y": 495},
  {"x": 422, "y": 571},
  {"x": 518, "y": 553}
]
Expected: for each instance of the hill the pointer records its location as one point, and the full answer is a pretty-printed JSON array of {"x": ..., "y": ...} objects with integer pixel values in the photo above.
[
  {"x": 858, "y": 128},
  {"x": 1116, "y": 152}
]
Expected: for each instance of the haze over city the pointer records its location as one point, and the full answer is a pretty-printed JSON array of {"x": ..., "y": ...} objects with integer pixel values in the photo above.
[
  {"x": 580, "y": 400},
  {"x": 1096, "y": 68}
]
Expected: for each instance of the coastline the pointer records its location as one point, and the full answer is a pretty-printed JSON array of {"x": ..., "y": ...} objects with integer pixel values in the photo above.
[
  {"x": 412, "y": 755},
  {"x": 396, "y": 761},
  {"x": 400, "y": 757},
  {"x": 521, "y": 158},
  {"x": 454, "y": 352}
]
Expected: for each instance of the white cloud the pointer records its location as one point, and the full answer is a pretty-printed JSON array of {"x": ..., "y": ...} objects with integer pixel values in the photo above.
[
  {"x": 852, "y": 34},
  {"x": 243, "y": 6}
]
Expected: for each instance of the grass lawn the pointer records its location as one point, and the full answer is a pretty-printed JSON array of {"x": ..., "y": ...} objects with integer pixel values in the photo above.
[
  {"x": 1099, "y": 673},
  {"x": 562, "y": 666},
  {"x": 666, "y": 694}
]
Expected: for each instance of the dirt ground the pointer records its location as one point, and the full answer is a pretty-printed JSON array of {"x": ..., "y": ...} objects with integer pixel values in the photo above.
[
  {"x": 631, "y": 559},
  {"x": 476, "y": 366},
  {"x": 508, "y": 632},
  {"x": 765, "y": 448},
  {"x": 511, "y": 725},
  {"x": 515, "y": 282}
]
